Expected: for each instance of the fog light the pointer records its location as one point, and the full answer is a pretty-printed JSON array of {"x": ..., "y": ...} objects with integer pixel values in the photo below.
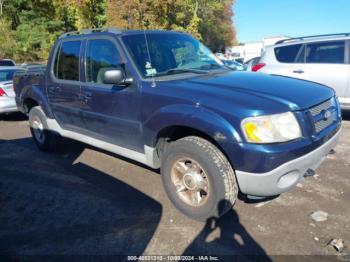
[{"x": 288, "y": 179}]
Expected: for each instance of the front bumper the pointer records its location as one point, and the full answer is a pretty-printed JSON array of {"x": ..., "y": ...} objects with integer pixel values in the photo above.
[
  {"x": 8, "y": 105},
  {"x": 286, "y": 176}
]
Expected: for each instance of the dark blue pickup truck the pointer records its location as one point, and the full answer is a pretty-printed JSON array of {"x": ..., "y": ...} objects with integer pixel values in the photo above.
[{"x": 163, "y": 99}]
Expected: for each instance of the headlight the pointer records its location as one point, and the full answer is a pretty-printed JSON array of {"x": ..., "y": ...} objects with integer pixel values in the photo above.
[{"x": 271, "y": 128}]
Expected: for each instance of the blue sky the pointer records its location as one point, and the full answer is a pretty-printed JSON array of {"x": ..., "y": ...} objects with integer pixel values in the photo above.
[{"x": 255, "y": 19}]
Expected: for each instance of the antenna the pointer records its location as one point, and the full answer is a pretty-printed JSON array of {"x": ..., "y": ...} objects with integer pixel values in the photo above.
[
  {"x": 147, "y": 48},
  {"x": 154, "y": 84}
]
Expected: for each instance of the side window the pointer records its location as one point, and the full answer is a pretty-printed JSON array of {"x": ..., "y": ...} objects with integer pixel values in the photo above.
[
  {"x": 67, "y": 61},
  {"x": 101, "y": 55},
  {"x": 326, "y": 52},
  {"x": 287, "y": 54}
]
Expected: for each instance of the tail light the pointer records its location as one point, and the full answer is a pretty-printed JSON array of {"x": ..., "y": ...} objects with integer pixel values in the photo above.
[
  {"x": 257, "y": 67},
  {"x": 2, "y": 92}
]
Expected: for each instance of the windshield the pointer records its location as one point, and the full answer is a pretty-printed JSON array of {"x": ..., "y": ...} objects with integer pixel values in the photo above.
[
  {"x": 169, "y": 53},
  {"x": 7, "y": 75}
]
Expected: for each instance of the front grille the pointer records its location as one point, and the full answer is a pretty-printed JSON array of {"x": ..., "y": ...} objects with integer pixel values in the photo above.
[
  {"x": 318, "y": 109},
  {"x": 319, "y": 114},
  {"x": 320, "y": 125}
]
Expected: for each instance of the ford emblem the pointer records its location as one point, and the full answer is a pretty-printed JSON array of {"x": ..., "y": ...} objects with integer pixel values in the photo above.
[{"x": 326, "y": 115}]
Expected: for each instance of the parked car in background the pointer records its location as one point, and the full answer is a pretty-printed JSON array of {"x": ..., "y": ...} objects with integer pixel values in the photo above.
[
  {"x": 239, "y": 60},
  {"x": 220, "y": 56},
  {"x": 7, "y": 62},
  {"x": 7, "y": 94},
  {"x": 249, "y": 65},
  {"x": 32, "y": 64},
  {"x": 324, "y": 59},
  {"x": 233, "y": 65},
  {"x": 211, "y": 131}
]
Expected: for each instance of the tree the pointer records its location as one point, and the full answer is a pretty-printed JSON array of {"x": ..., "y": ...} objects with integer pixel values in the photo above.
[
  {"x": 1, "y": 6},
  {"x": 208, "y": 20},
  {"x": 94, "y": 13},
  {"x": 216, "y": 27},
  {"x": 34, "y": 25},
  {"x": 6, "y": 47},
  {"x": 31, "y": 26}
]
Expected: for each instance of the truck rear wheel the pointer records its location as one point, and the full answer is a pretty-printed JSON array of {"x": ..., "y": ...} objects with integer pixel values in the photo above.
[
  {"x": 198, "y": 178},
  {"x": 45, "y": 139}
]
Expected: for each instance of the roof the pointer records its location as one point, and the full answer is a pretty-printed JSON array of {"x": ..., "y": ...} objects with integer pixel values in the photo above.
[
  {"x": 114, "y": 31},
  {"x": 276, "y": 36},
  {"x": 313, "y": 37},
  {"x": 10, "y": 67}
]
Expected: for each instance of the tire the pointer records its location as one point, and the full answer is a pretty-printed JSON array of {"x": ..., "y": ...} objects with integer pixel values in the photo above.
[
  {"x": 208, "y": 186},
  {"x": 45, "y": 139}
]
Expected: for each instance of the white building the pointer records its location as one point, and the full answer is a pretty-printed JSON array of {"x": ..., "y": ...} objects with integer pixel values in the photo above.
[{"x": 250, "y": 50}]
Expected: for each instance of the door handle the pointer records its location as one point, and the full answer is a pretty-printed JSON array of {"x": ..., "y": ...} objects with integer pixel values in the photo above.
[
  {"x": 299, "y": 71},
  {"x": 54, "y": 89},
  {"x": 86, "y": 96}
]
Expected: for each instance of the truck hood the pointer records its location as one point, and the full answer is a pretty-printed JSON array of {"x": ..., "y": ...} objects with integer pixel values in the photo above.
[{"x": 261, "y": 88}]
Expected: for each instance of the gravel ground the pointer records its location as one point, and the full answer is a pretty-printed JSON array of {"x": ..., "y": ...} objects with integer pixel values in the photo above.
[{"x": 84, "y": 201}]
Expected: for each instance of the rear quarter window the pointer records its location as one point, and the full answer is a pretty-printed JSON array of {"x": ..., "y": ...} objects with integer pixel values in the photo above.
[
  {"x": 326, "y": 53},
  {"x": 287, "y": 54}
]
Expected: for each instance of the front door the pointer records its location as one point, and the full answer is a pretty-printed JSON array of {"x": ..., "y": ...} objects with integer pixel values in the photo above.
[{"x": 111, "y": 112}]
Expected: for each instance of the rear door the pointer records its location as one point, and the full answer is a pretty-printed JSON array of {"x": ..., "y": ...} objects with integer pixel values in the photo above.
[
  {"x": 111, "y": 112},
  {"x": 281, "y": 60},
  {"x": 346, "y": 100},
  {"x": 326, "y": 63},
  {"x": 63, "y": 86}
]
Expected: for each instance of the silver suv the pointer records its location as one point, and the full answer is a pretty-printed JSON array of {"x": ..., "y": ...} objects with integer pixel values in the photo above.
[{"x": 323, "y": 59}]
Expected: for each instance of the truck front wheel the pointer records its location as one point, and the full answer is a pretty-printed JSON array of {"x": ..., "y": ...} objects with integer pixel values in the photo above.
[
  {"x": 198, "y": 178},
  {"x": 45, "y": 139}
]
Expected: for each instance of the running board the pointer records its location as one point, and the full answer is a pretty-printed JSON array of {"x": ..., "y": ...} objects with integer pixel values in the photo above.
[{"x": 149, "y": 158}]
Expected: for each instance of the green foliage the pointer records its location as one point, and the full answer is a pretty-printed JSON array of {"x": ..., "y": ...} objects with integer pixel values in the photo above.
[
  {"x": 30, "y": 27},
  {"x": 93, "y": 12},
  {"x": 208, "y": 20},
  {"x": 7, "y": 46}
]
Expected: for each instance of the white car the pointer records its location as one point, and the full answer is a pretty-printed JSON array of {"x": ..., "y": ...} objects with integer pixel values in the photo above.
[
  {"x": 7, "y": 95},
  {"x": 233, "y": 65},
  {"x": 248, "y": 66},
  {"x": 220, "y": 56},
  {"x": 324, "y": 59}
]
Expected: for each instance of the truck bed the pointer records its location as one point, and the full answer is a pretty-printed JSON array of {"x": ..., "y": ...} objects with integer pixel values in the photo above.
[{"x": 25, "y": 80}]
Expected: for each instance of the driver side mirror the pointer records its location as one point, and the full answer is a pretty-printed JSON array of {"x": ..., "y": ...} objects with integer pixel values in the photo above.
[
  {"x": 113, "y": 76},
  {"x": 116, "y": 77}
]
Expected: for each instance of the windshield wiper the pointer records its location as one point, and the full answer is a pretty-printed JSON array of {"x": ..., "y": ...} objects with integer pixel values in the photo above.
[
  {"x": 210, "y": 66},
  {"x": 180, "y": 71}
]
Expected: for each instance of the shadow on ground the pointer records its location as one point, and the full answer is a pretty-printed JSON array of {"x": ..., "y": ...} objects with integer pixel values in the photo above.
[
  {"x": 231, "y": 239},
  {"x": 12, "y": 117},
  {"x": 346, "y": 115},
  {"x": 53, "y": 204}
]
